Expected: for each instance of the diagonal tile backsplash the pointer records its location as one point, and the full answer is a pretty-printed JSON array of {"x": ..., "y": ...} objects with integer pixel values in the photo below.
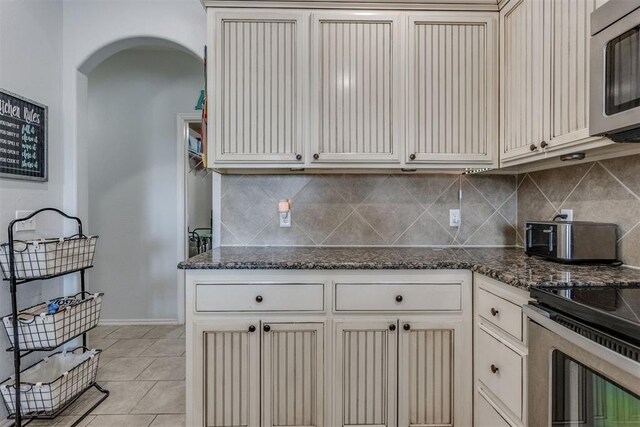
[
  {"x": 369, "y": 209},
  {"x": 605, "y": 191}
]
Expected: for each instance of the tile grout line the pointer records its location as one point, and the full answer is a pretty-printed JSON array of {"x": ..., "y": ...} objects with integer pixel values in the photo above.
[
  {"x": 619, "y": 181},
  {"x": 572, "y": 191},
  {"x": 351, "y": 206}
]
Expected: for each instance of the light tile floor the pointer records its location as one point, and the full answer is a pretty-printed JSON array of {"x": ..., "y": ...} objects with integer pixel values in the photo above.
[{"x": 144, "y": 369}]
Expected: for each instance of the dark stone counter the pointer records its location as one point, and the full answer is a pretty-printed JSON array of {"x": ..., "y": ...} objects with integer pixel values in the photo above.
[{"x": 508, "y": 265}]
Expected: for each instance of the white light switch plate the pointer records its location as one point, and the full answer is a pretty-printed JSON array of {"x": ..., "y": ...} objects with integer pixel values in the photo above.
[
  {"x": 28, "y": 225},
  {"x": 455, "y": 219},
  {"x": 568, "y": 213}
]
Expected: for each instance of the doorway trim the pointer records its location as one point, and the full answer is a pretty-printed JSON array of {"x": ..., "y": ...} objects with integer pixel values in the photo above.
[{"x": 182, "y": 126}]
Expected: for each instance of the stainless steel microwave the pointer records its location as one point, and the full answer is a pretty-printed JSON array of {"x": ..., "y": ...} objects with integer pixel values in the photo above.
[{"x": 614, "y": 105}]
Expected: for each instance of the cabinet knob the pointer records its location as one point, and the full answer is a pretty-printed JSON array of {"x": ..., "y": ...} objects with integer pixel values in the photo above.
[
  {"x": 406, "y": 326},
  {"x": 494, "y": 369},
  {"x": 316, "y": 156},
  {"x": 266, "y": 328},
  {"x": 412, "y": 157},
  {"x": 494, "y": 312},
  {"x": 392, "y": 327},
  {"x": 298, "y": 156},
  {"x": 533, "y": 147},
  {"x": 252, "y": 328},
  {"x": 544, "y": 144},
  {"x": 399, "y": 298},
  {"x": 259, "y": 299}
]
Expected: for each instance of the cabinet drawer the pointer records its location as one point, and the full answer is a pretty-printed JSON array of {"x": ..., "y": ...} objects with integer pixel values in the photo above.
[
  {"x": 398, "y": 297},
  {"x": 506, "y": 381},
  {"x": 502, "y": 313},
  {"x": 487, "y": 416},
  {"x": 260, "y": 297}
]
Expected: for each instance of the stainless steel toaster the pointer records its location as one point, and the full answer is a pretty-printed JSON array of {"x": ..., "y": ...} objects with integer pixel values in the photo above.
[{"x": 572, "y": 241}]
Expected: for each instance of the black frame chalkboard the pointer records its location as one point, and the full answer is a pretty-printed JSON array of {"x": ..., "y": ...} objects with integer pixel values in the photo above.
[{"x": 23, "y": 138}]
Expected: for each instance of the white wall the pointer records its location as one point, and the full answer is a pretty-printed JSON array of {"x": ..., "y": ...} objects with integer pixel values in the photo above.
[
  {"x": 93, "y": 31},
  {"x": 134, "y": 97},
  {"x": 31, "y": 65}
]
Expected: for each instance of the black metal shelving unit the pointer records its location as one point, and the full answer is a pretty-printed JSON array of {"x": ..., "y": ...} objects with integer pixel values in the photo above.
[{"x": 18, "y": 354}]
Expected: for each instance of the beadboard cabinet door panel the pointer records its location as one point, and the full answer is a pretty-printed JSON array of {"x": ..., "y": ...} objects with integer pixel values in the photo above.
[
  {"x": 258, "y": 79},
  {"x": 231, "y": 375},
  {"x": 366, "y": 373},
  {"x": 433, "y": 370},
  {"x": 356, "y": 87},
  {"x": 452, "y": 88},
  {"x": 293, "y": 375},
  {"x": 523, "y": 70},
  {"x": 568, "y": 56}
]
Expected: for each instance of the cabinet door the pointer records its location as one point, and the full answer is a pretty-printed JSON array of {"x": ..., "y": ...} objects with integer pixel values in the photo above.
[
  {"x": 452, "y": 88},
  {"x": 568, "y": 83},
  {"x": 522, "y": 83},
  {"x": 231, "y": 375},
  {"x": 434, "y": 381},
  {"x": 257, "y": 79},
  {"x": 356, "y": 87},
  {"x": 293, "y": 374},
  {"x": 366, "y": 373}
]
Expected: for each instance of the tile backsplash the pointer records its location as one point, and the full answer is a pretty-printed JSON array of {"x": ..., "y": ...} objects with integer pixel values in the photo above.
[
  {"x": 411, "y": 210},
  {"x": 604, "y": 191}
]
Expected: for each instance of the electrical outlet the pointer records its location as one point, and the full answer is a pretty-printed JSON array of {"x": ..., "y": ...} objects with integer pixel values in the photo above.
[
  {"x": 455, "y": 219},
  {"x": 568, "y": 213},
  {"x": 28, "y": 225}
]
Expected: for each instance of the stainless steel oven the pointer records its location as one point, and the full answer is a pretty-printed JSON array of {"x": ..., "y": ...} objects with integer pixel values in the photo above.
[
  {"x": 615, "y": 71},
  {"x": 580, "y": 375}
]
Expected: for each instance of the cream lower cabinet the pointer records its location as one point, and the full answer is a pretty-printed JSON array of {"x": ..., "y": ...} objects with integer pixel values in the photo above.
[
  {"x": 277, "y": 366},
  {"x": 366, "y": 369},
  {"x": 500, "y": 354},
  {"x": 330, "y": 348}
]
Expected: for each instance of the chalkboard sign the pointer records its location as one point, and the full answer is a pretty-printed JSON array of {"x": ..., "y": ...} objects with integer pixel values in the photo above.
[{"x": 23, "y": 138}]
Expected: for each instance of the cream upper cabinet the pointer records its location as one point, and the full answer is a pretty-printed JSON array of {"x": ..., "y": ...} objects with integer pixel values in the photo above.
[
  {"x": 293, "y": 374},
  {"x": 366, "y": 373},
  {"x": 257, "y": 73},
  {"x": 452, "y": 91},
  {"x": 356, "y": 87},
  {"x": 523, "y": 73},
  {"x": 545, "y": 79},
  {"x": 568, "y": 83}
]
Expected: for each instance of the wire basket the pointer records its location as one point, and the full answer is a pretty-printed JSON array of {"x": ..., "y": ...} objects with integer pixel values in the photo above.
[
  {"x": 48, "y": 257},
  {"x": 39, "y": 330},
  {"x": 50, "y": 384}
]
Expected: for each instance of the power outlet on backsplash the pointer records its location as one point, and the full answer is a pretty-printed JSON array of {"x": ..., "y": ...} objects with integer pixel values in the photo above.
[{"x": 568, "y": 213}]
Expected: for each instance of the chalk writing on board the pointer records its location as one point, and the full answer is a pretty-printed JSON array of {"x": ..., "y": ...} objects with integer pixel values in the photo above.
[{"x": 23, "y": 138}]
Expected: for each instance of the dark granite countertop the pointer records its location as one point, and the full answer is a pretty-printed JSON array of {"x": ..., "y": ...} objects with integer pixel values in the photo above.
[{"x": 508, "y": 265}]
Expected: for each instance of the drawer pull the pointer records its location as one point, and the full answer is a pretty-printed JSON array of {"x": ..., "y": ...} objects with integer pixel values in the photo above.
[
  {"x": 259, "y": 299},
  {"x": 316, "y": 156},
  {"x": 266, "y": 328},
  {"x": 406, "y": 326},
  {"x": 494, "y": 312},
  {"x": 392, "y": 327},
  {"x": 399, "y": 298},
  {"x": 298, "y": 156},
  {"x": 412, "y": 157},
  {"x": 252, "y": 328},
  {"x": 494, "y": 369}
]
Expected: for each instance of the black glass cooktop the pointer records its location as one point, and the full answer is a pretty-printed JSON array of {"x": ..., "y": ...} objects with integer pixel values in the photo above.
[{"x": 616, "y": 309}]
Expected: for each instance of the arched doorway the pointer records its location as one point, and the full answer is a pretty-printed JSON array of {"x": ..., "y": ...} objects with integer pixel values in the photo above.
[{"x": 126, "y": 170}]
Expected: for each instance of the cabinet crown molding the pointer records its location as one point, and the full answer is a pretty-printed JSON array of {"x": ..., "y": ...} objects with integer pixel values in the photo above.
[{"x": 452, "y": 5}]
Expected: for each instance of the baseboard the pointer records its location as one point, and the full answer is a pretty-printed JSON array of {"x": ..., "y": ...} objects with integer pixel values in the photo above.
[{"x": 123, "y": 322}]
